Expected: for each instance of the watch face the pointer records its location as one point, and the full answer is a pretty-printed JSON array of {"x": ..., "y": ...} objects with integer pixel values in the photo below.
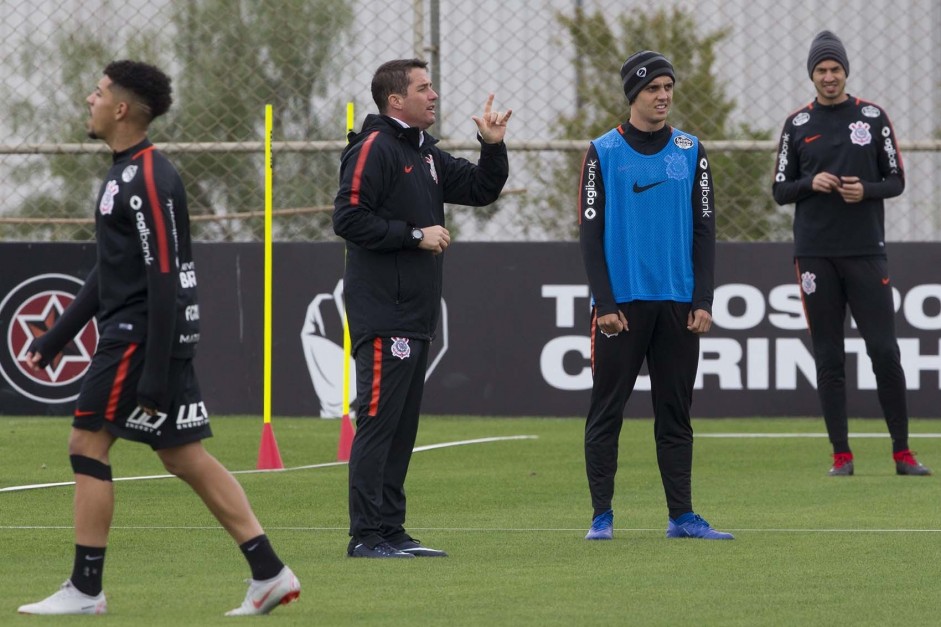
[{"x": 417, "y": 234}]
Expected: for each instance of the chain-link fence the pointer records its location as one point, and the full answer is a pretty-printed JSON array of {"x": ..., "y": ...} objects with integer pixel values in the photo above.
[{"x": 741, "y": 68}]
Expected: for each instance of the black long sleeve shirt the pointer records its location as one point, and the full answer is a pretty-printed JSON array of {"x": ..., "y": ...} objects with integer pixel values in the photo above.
[
  {"x": 143, "y": 286},
  {"x": 852, "y": 138}
]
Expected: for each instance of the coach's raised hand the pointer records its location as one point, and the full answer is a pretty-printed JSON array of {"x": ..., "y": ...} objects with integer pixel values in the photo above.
[{"x": 492, "y": 124}]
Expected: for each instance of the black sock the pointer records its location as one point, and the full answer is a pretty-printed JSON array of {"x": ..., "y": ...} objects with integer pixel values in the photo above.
[
  {"x": 88, "y": 568},
  {"x": 899, "y": 445},
  {"x": 261, "y": 558}
]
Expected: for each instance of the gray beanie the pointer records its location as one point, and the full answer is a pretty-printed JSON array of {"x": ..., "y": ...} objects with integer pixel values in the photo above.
[
  {"x": 641, "y": 68},
  {"x": 826, "y": 46}
]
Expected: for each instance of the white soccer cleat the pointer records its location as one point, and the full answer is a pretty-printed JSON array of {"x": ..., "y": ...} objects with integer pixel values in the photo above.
[
  {"x": 68, "y": 600},
  {"x": 264, "y": 596}
]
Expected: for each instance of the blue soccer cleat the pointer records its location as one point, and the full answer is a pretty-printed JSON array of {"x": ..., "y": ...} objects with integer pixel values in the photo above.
[
  {"x": 602, "y": 526},
  {"x": 416, "y": 548},
  {"x": 694, "y": 526}
]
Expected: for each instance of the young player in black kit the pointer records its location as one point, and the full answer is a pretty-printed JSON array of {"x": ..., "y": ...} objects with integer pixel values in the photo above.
[
  {"x": 141, "y": 384},
  {"x": 838, "y": 159}
]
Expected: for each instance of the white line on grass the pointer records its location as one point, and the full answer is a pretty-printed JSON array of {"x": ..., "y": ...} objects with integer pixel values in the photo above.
[
  {"x": 807, "y": 435},
  {"x": 417, "y": 449},
  {"x": 472, "y": 529}
]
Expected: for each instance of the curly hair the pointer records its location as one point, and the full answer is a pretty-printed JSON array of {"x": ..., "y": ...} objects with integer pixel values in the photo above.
[
  {"x": 148, "y": 84},
  {"x": 392, "y": 78}
]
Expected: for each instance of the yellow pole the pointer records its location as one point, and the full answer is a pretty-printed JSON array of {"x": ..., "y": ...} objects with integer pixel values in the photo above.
[
  {"x": 266, "y": 410},
  {"x": 347, "y": 344}
]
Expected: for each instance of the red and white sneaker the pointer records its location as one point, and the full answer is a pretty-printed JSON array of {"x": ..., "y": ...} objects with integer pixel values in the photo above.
[
  {"x": 68, "y": 600},
  {"x": 263, "y": 596},
  {"x": 906, "y": 464},
  {"x": 842, "y": 465}
]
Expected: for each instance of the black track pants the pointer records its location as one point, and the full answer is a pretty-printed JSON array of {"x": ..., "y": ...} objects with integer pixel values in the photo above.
[
  {"x": 828, "y": 285},
  {"x": 390, "y": 379},
  {"x": 657, "y": 333}
]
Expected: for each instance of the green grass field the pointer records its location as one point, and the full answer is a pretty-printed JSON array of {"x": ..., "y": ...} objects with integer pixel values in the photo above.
[{"x": 809, "y": 549}]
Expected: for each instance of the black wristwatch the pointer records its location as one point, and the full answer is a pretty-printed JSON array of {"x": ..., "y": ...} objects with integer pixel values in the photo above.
[{"x": 417, "y": 235}]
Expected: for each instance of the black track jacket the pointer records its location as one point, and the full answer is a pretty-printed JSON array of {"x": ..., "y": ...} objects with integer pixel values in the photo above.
[
  {"x": 143, "y": 287},
  {"x": 852, "y": 138},
  {"x": 388, "y": 184}
]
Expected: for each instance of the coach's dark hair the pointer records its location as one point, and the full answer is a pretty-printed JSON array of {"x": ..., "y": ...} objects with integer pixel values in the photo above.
[
  {"x": 392, "y": 78},
  {"x": 148, "y": 84}
]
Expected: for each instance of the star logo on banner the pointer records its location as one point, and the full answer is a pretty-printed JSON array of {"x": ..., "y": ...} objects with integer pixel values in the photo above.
[{"x": 35, "y": 325}]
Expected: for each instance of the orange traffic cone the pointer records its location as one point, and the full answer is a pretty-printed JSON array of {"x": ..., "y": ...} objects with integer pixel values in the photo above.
[
  {"x": 268, "y": 456},
  {"x": 346, "y": 439}
]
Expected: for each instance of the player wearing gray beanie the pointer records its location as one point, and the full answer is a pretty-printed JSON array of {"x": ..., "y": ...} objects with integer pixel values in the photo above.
[
  {"x": 838, "y": 162},
  {"x": 641, "y": 68},
  {"x": 826, "y": 46}
]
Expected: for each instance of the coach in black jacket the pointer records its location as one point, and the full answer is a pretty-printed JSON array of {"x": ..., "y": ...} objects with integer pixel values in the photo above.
[{"x": 394, "y": 182}]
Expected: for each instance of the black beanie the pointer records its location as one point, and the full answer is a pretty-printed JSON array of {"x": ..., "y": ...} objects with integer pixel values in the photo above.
[
  {"x": 826, "y": 46},
  {"x": 641, "y": 68}
]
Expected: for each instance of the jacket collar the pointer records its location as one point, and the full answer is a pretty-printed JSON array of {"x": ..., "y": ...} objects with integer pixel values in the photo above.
[{"x": 386, "y": 124}]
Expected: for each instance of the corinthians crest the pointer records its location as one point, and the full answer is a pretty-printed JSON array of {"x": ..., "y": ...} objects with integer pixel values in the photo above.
[
  {"x": 809, "y": 283},
  {"x": 859, "y": 134},
  {"x": 431, "y": 166},
  {"x": 400, "y": 348}
]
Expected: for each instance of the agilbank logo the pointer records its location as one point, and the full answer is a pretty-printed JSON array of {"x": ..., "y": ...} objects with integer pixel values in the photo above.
[{"x": 27, "y": 313}]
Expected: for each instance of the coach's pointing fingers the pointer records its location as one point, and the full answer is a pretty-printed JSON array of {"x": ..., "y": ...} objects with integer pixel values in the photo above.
[{"x": 492, "y": 124}]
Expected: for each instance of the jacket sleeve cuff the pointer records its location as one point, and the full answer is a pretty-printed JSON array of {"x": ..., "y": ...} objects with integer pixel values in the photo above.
[
  {"x": 400, "y": 231},
  {"x": 484, "y": 146},
  {"x": 603, "y": 309}
]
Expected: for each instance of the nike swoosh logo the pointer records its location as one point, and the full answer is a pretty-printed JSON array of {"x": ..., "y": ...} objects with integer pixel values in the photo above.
[
  {"x": 408, "y": 169},
  {"x": 79, "y": 413},
  {"x": 94, "y": 558},
  {"x": 262, "y": 600},
  {"x": 643, "y": 188},
  {"x": 807, "y": 140}
]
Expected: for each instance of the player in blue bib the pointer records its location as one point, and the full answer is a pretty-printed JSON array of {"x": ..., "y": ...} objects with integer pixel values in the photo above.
[{"x": 647, "y": 233}]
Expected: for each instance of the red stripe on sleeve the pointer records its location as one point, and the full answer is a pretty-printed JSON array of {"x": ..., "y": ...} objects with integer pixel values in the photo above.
[
  {"x": 118, "y": 383},
  {"x": 163, "y": 252},
  {"x": 594, "y": 327},
  {"x": 360, "y": 165},
  {"x": 376, "y": 375}
]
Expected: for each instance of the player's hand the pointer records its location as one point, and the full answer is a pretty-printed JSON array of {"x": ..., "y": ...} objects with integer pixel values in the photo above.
[
  {"x": 825, "y": 182},
  {"x": 151, "y": 394},
  {"x": 613, "y": 323},
  {"x": 34, "y": 360},
  {"x": 435, "y": 238},
  {"x": 492, "y": 124},
  {"x": 699, "y": 321},
  {"x": 851, "y": 189}
]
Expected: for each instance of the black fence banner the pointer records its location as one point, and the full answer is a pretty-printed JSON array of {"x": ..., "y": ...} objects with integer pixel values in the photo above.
[{"x": 513, "y": 338}]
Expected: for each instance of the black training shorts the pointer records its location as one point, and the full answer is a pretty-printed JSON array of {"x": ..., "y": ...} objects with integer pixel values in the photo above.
[{"x": 108, "y": 398}]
